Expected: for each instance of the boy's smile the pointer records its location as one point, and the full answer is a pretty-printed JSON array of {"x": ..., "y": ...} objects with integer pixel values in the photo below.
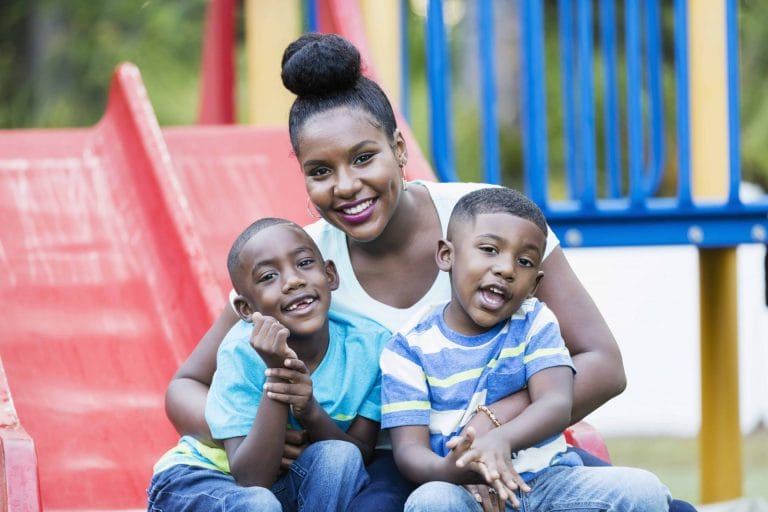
[
  {"x": 494, "y": 264},
  {"x": 283, "y": 276}
]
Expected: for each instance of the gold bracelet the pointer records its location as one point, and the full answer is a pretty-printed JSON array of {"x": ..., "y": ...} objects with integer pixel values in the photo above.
[{"x": 489, "y": 413}]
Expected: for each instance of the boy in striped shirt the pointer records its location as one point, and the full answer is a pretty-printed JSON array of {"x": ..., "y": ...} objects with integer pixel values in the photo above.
[{"x": 491, "y": 340}]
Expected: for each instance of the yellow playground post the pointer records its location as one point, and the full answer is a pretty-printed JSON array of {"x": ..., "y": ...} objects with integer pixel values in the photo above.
[{"x": 720, "y": 453}]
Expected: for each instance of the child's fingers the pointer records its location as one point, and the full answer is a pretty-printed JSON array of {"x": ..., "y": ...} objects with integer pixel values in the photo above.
[
  {"x": 297, "y": 365},
  {"x": 296, "y": 437},
  {"x": 512, "y": 479},
  {"x": 283, "y": 397}
]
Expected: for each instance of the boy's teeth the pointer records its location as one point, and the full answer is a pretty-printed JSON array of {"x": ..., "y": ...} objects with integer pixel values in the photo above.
[
  {"x": 359, "y": 208},
  {"x": 496, "y": 290},
  {"x": 294, "y": 306}
]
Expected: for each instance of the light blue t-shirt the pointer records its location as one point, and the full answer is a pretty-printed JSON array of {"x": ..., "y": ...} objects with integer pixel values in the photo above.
[{"x": 346, "y": 383}]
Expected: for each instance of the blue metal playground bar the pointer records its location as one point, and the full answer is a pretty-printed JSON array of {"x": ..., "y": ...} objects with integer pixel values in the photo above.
[{"x": 624, "y": 214}]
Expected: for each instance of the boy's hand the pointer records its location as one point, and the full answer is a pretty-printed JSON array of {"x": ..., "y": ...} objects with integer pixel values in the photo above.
[
  {"x": 486, "y": 497},
  {"x": 295, "y": 442},
  {"x": 491, "y": 454},
  {"x": 295, "y": 388},
  {"x": 270, "y": 340}
]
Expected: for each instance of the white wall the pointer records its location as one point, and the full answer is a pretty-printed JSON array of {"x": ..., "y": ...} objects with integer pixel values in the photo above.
[{"x": 649, "y": 296}]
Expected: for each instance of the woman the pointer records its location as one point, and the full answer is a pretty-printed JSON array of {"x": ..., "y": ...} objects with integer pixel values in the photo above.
[{"x": 382, "y": 232}]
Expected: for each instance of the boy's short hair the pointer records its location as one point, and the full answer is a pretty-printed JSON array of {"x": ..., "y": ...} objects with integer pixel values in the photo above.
[
  {"x": 497, "y": 200},
  {"x": 233, "y": 258}
]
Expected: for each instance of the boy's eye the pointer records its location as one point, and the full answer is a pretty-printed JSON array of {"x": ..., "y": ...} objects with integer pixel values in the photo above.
[
  {"x": 306, "y": 262},
  {"x": 525, "y": 262},
  {"x": 318, "y": 172},
  {"x": 489, "y": 249},
  {"x": 267, "y": 276}
]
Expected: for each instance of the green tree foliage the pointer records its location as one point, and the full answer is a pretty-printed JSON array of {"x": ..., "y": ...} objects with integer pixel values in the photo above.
[{"x": 57, "y": 57}]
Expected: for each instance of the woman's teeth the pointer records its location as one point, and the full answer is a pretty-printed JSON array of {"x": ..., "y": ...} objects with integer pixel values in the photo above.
[{"x": 358, "y": 208}]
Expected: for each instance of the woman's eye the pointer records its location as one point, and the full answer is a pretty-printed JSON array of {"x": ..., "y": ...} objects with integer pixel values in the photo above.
[{"x": 363, "y": 158}]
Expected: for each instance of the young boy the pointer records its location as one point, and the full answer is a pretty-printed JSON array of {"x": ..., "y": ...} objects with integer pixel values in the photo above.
[
  {"x": 493, "y": 339},
  {"x": 286, "y": 365}
]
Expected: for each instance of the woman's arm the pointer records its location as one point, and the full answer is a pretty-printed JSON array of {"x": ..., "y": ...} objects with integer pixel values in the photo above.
[
  {"x": 595, "y": 353},
  {"x": 187, "y": 391}
]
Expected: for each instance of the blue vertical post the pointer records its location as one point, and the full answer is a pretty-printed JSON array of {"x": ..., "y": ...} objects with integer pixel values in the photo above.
[
  {"x": 568, "y": 94},
  {"x": 588, "y": 169},
  {"x": 310, "y": 7},
  {"x": 683, "y": 102},
  {"x": 488, "y": 93},
  {"x": 634, "y": 105},
  {"x": 405, "y": 67},
  {"x": 654, "y": 59},
  {"x": 438, "y": 76},
  {"x": 534, "y": 107},
  {"x": 612, "y": 135},
  {"x": 734, "y": 117}
]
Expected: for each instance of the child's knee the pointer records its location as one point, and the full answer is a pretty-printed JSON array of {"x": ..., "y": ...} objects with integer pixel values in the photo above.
[
  {"x": 252, "y": 498},
  {"x": 644, "y": 490},
  {"x": 439, "y": 496},
  {"x": 338, "y": 454}
]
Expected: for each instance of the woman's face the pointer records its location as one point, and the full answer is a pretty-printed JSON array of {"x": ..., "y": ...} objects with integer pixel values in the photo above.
[{"x": 351, "y": 170}]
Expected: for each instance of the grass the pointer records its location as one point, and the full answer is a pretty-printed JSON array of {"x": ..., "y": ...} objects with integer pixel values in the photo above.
[{"x": 675, "y": 461}]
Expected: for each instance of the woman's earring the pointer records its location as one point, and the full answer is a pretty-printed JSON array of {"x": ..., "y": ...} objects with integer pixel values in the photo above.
[
  {"x": 404, "y": 178},
  {"x": 309, "y": 210}
]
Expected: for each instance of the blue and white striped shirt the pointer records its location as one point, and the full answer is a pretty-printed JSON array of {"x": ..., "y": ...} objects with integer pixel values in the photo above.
[{"x": 437, "y": 377}]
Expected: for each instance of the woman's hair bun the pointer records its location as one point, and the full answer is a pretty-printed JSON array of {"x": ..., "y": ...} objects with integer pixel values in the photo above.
[{"x": 317, "y": 64}]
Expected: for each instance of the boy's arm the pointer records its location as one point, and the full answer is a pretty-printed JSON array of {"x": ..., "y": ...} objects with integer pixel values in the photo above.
[
  {"x": 294, "y": 387},
  {"x": 549, "y": 414},
  {"x": 417, "y": 462},
  {"x": 254, "y": 460}
]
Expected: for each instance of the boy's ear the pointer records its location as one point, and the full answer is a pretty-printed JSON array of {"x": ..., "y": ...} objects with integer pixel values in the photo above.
[
  {"x": 332, "y": 274},
  {"x": 243, "y": 309},
  {"x": 539, "y": 276},
  {"x": 444, "y": 255}
]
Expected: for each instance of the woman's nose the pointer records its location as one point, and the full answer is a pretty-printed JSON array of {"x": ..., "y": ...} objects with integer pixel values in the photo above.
[{"x": 347, "y": 182}]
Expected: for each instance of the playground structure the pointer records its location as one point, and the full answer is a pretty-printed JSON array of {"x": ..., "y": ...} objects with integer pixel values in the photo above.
[{"x": 113, "y": 238}]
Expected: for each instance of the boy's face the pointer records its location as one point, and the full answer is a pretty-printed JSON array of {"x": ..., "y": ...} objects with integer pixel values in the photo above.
[
  {"x": 494, "y": 264},
  {"x": 281, "y": 275}
]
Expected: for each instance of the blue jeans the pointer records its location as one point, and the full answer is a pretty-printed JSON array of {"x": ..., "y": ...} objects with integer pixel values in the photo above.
[
  {"x": 388, "y": 488},
  {"x": 326, "y": 476},
  {"x": 560, "y": 488},
  {"x": 591, "y": 460}
]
